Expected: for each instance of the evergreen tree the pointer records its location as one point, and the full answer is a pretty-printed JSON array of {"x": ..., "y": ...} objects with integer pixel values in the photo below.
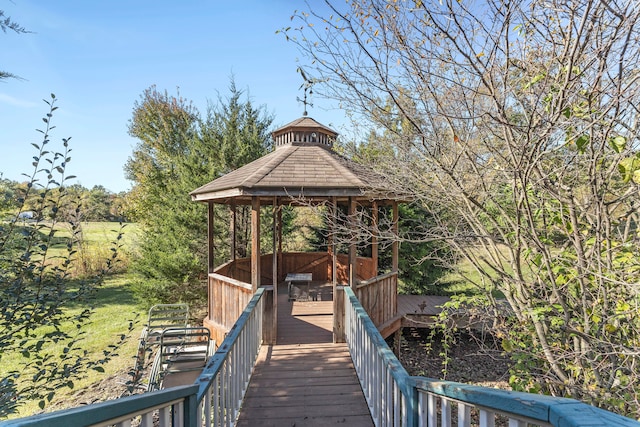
[{"x": 177, "y": 152}]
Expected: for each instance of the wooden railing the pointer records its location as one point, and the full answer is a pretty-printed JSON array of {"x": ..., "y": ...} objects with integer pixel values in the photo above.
[
  {"x": 317, "y": 263},
  {"x": 227, "y": 299},
  {"x": 397, "y": 399},
  {"x": 379, "y": 297}
]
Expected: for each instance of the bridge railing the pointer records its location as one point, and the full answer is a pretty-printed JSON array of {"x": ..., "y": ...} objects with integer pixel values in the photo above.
[
  {"x": 213, "y": 401},
  {"x": 226, "y": 376},
  {"x": 397, "y": 399},
  {"x": 170, "y": 407}
]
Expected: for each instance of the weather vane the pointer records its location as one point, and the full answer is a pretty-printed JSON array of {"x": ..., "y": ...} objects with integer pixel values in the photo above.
[{"x": 307, "y": 87}]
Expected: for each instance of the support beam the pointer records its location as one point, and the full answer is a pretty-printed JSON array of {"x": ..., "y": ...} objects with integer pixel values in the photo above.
[
  {"x": 233, "y": 227},
  {"x": 353, "y": 262},
  {"x": 270, "y": 338},
  {"x": 374, "y": 237},
  {"x": 280, "y": 275},
  {"x": 338, "y": 292},
  {"x": 276, "y": 226},
  {"x": 255, "y": 243},
  {"x": 210, "y": 236},
  {"x": 395, "y": 246}
]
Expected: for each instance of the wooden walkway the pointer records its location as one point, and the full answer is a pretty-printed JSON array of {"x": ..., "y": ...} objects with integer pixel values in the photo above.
[{"x": 304, "y": 380}]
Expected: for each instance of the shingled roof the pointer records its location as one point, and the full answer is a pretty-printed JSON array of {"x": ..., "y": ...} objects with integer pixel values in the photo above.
[{"x": 302, "y": 166}]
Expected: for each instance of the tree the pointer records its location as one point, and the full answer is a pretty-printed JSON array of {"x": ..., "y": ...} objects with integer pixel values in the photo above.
[
  {"x": 6, "y": 23},
  {"x": 37, "y": 291},
  {"x": 178, "y": 152},
  {"x": 516, "y": 126}
]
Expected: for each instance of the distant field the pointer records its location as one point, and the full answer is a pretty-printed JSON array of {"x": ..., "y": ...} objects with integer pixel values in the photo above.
[{"x": 115, "y": 308}]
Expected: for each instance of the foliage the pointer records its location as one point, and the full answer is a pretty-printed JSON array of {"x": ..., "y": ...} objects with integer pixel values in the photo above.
[
  {"x": 37, "y": 290},
  {"x": 178, "y": 151},
  {"x": 98, "y": 203},
  {"x": 6, "y": 23},
  {"x": 514, "y": 124}
]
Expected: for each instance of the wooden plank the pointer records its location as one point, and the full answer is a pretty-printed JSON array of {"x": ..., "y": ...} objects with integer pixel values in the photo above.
[{"x": 305, "y": 379}]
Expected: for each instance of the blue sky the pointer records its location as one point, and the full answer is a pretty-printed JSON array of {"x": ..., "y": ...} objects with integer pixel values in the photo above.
[{"x": 99, "y": 56}]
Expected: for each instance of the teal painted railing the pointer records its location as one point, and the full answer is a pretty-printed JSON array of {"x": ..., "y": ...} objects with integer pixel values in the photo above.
[
  {"x": 173, "y": 406},
  {"x": 394, "y": 397},
  {"x": 397, "y": 399},
  {"x": 214, "y": 400},
  {"x": 225, "y": 379}
]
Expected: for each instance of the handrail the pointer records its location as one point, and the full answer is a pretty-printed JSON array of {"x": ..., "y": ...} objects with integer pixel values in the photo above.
[
  {"x": 387, "y": 386},
  {"x": 225, "y": 378},
  {"x": 215, "y": 398},
  {"x": 363, "y": 283},
  {"x": 180, "y": 401},
  {"x": 395, "y": 398},
  {"x": 232, "y": 281}
]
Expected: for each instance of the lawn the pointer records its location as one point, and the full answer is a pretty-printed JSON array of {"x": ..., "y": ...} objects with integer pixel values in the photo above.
[{"x": 115, "y": 308}]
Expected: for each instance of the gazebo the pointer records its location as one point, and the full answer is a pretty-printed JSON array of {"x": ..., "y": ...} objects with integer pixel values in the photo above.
[{"x": 303, "y": 169}]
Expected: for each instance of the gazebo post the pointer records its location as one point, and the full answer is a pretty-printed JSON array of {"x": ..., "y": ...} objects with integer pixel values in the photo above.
[
  {"x": 255, "y": 243},
  {"x": 210, "y": 232},
  {"x": 233, "y": 229},
  {"x": 353, "y": 273},
  {"x": 277, "y": 236},
  {"x": 279, "y": 275},
  {"x": 374, "y": 238},
  {"x": 338, "y": 292},
  {"x": 395, "y": 246},
  {"x": 331, "y": 246}
]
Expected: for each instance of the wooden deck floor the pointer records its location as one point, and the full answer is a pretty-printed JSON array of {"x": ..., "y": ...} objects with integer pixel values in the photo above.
[{"x": 304, "y": 380}]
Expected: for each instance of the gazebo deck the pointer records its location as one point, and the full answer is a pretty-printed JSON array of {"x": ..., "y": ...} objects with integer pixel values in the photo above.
[{"x": 305, "y": 379}]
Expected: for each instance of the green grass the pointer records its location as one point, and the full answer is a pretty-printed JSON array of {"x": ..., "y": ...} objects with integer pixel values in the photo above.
[{"x": 115, "y": 308}]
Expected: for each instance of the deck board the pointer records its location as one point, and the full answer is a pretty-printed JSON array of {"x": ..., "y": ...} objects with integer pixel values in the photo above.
[{"x": 305, "y": 379}]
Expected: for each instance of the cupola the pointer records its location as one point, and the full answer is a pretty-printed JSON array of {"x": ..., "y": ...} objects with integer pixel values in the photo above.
[{"x": 304, "y": 131}]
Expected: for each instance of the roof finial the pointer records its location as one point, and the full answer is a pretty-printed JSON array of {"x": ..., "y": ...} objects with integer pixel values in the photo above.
[{"x": 307, "y": 85}]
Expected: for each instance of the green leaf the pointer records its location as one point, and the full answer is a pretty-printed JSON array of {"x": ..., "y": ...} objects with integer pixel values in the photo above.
[
  {"x": 582, "y": 142},
  {"x": 628, "y": 168},
  {"x": 618, "y": 143}
]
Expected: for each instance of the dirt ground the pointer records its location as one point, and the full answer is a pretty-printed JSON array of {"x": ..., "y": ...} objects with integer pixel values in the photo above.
[{"x": 474, "y": 359}]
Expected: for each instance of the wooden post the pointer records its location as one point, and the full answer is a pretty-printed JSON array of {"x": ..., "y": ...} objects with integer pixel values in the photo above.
[
  {"x": 395, "y": 247},
  {"x": 396, "y": 255},
  {"x": 233, "y": 226},
  {"x": 374, "y": 238},
  {"x": 255, "y": 243},
  {"x": 274, "y": 274},
  {"x": 210, "y": 257},
  {"x": 334, "y": 254},
  {"x": 338, "y": 314},
  {"x": 397, "y": 341},
  {"x": 210, "y": 235},
  {"x": 280, "y": 274},
  {"x": 269, "y": 316},
  {"x": 353, "y": 268}
]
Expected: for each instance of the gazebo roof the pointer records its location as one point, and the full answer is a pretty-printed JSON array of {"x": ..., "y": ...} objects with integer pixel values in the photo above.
[{"x": 302, "y": 166}]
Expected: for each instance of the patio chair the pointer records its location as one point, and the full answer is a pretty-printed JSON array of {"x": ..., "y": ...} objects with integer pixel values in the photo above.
[
  {"x": 161, "y": 317},
  {"x": 181, "y": 356}
]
